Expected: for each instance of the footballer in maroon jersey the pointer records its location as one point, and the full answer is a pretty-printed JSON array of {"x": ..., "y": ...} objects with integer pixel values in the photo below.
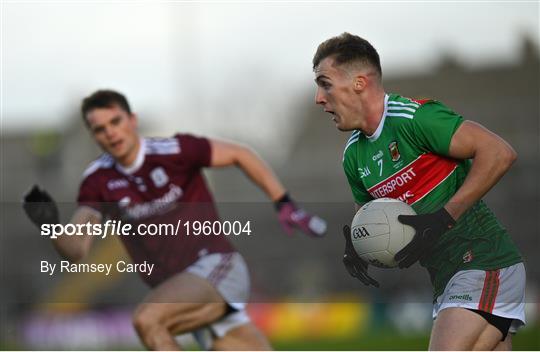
[
  {"x": 166, "y": 173},
  {"x": 199, "y": 283}
]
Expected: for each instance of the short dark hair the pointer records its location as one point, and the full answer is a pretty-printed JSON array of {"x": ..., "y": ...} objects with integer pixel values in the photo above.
[
  {"x": 348, "y": 48},
  {"x": 104, "y": 98}
]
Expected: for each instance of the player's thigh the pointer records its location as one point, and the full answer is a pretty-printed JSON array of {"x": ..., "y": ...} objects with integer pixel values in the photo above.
[
  {"x": 245, "y": 337},
  {"x": 184, "y": 301},
  {"x": 505, "y": 345},
  {"x": 460, "y": 329},
  {"x": 497, "y": 296}
]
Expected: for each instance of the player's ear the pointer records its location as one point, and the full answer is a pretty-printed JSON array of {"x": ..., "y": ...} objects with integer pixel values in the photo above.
[
  {"x": 360, "y": 83},
  {"x": 134, "y": 119}
]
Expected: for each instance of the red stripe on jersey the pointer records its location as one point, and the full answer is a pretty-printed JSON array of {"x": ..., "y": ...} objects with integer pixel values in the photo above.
[
  {"x": 421, "y": 101},
  {"x": 417, "y": 179}
]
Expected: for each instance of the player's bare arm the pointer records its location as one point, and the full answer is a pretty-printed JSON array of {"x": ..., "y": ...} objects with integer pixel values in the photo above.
[
  {"x": 42, "y": 210},
  {"x": 75, "y": 248},
  {"x": 289, "y": 214},
  {"x": 228, "y": 153},
  {"x": 492, "y": 157}
]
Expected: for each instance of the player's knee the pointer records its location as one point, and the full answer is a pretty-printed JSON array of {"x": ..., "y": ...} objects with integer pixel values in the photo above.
[
  {"x": 505, "y": 345},
  {"x": 210, "y": 312},
  {"x": 145, "y": 319}
]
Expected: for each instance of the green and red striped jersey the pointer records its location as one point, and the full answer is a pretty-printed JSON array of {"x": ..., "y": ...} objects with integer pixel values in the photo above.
[{"x": 406, "y": 159}]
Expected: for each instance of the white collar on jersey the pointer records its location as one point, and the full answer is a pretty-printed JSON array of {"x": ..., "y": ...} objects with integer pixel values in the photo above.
[
  {"x": 139, "y": 160},
  {"x": 378, "y": 131}
]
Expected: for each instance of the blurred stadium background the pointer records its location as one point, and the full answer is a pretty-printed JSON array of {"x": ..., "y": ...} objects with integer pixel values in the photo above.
[{"x": 302, "y": 298}]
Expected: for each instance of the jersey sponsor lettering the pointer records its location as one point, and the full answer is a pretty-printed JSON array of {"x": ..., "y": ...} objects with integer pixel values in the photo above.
[
  {"x": 117, "y": 184},
  {"x": 157, "y": 206},
  {"x": 415, "y": 180}
]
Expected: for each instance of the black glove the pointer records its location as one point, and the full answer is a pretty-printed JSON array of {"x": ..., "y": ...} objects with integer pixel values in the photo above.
[
  {"x": 355, "y": 265},
  {"x": 40, "y": 207},
  {"x": 429, "y": 227}
]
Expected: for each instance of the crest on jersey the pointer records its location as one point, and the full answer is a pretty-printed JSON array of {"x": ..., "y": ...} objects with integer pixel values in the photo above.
[
  {"x": 124, "y": 202},
  {"x": 468, "y": 257},
  {"x": 394, "y": 151},
  {"x": 159, "y": 177}
]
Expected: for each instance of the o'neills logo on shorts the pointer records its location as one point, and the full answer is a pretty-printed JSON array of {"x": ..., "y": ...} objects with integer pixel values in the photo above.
[
  {"x": 415, "y": 180},
  {"x": 463, "y": 297}
]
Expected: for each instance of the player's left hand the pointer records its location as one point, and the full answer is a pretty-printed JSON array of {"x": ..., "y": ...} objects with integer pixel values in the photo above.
[
  {"x": 429, "y": 227},
  {"x": 291, "y": 216},
  {"x": 40, "y": 207},
  {"x": 356, "y": 266}
]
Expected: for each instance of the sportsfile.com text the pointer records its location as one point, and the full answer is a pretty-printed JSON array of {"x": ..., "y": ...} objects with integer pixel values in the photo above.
[{"x": 120, "y": 228}]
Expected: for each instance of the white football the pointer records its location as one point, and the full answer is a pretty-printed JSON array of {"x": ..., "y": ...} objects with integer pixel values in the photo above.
[{"x": 376, "y": 233}]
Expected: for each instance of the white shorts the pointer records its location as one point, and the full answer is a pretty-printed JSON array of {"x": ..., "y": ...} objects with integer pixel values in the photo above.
[
  {"x": 500, "y": 292},
  {"x": 228, "y": 273}
]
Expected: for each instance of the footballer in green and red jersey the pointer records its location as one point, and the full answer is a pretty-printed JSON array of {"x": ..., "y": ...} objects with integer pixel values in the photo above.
[{"x": 406, "y": 159}]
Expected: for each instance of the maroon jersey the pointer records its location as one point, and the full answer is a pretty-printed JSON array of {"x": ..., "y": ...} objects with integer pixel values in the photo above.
[{"x": 163, "y": 186}]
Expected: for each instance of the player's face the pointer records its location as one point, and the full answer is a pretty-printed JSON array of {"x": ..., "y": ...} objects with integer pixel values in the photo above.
[
  {"x": 336, "y": 94},
  {"x": 115, "y": 130}
]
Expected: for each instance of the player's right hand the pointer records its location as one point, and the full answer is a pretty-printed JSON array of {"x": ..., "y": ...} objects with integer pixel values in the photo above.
[
  {"x": 356, "y": 266},
  {"x": 290, "y": 216},
  {"x": 429, "y": 228},
  {"x": 40, "y": 207}
]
